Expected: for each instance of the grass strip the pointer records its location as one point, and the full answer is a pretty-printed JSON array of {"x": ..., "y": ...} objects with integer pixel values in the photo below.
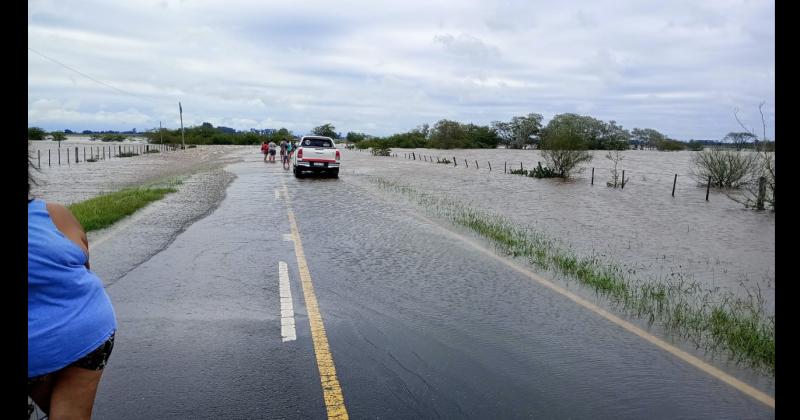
[
  {"x": 105, "y": 210},
  {"x": 707, "y": 319}
]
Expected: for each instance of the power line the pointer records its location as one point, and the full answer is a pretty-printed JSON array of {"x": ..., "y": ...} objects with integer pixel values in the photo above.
[{"x": 90, "y": 77}]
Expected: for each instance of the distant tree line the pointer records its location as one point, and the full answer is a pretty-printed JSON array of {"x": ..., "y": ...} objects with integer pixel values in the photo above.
[{"x": 528, "y": 131}]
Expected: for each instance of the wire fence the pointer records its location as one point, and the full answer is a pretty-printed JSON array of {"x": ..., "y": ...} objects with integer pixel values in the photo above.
[
  {"x": 593, "y": 173},
  {"x": 86, "y": 154}
]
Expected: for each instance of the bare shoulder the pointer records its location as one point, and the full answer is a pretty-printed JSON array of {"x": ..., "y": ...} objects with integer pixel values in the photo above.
[{"x": 66, "y": 222}]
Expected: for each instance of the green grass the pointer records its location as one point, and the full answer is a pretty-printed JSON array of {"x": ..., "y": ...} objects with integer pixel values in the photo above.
[
  {"x": 710, "y": 320},
  {"x": 105, "y": 210}
]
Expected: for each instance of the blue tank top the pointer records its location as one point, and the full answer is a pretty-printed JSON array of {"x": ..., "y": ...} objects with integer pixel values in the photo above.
[{"x": 69, "y": 312}]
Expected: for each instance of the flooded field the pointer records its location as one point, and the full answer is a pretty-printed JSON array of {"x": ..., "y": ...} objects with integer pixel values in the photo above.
[
  {"x": 70, "y": 183},
  {"x": 716, "y": 243},
  {"x": 658, "y": 237}
]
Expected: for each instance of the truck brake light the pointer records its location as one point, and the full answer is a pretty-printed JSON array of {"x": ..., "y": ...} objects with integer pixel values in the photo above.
[
  {"x": 299, "y": 153},
  {"x": 338, "y": 156}
]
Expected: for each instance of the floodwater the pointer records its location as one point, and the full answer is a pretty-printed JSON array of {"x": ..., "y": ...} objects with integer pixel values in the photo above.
[
  {"x": 716, "y": 243},
  {"x": 420, "y": 323},
  {"x": 73, "y": 182}
]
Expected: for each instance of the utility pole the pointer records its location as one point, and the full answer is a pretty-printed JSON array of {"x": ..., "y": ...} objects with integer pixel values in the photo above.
[
  {"x": 183, "y": 145},
  {"x": 160, "y": 132}
]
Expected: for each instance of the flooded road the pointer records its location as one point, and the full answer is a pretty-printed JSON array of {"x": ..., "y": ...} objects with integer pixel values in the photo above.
[{"x": 420, "y": 323}]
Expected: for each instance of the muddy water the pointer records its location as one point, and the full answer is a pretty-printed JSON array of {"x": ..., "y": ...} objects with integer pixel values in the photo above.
[
  {"x": 70, "y": 183},
  {"x": 716, "y": 243}
]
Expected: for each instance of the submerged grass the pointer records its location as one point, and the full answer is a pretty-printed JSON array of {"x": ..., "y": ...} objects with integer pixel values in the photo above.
[
  {"x": 712, "y": 321},
  {"x": 105, "y": 210}
]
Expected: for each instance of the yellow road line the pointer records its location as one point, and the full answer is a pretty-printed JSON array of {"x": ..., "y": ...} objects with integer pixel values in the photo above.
[
  {"x": 688, "y": 358},
  {"x": 332, "y": 392}
]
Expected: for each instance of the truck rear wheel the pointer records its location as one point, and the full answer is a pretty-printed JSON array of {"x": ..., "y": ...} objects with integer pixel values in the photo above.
[{"x": 297, "y": 172}]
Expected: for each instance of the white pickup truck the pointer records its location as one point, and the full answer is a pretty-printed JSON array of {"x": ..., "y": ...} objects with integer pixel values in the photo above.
[{"x": 316, "y": 154}]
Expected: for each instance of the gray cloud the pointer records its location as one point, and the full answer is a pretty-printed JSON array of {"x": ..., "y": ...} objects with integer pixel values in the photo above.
[{"x": 679, "y": 67}]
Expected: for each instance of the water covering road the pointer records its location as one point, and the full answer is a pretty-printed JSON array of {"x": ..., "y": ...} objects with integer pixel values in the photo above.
[{"x": 420, "y": 324}]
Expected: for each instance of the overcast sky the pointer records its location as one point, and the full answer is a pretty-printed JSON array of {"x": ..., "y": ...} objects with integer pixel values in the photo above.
[{"x": 680, "y": 67}]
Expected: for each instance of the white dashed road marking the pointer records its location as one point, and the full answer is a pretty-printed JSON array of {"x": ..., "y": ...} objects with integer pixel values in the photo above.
[{"x": 287, "y": 310}]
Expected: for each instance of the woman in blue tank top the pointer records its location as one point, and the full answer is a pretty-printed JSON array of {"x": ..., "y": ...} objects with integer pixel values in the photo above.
[{"x": 71, "y": 322}]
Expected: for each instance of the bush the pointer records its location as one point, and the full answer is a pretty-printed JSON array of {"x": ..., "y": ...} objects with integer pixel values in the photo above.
[
  {"x": 113, "y": 137},
  {"x": 726, "y": 168},
  {"x": 563, "y": 148},
  {"x": 542, "y": 172},
  {"x": 381, "y": 150},
  {"x": 669, "y": 145},
  {"x": 36, "y": 133}
]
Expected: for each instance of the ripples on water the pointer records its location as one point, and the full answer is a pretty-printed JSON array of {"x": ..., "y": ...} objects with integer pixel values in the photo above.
[{"x": 716, "y": 243}]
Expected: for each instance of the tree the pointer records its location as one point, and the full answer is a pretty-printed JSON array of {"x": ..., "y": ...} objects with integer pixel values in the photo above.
[
  {"x": 448, "y": 134},
  {"x": 327, "y": 130},
  {"x": 36, "y": 133},
  {"x": 282, "y": 134},
  {"x": 504, "y": 132},
  {"x": 616, "y": 157},
  {"x": 354, "y": 137},
  {"x": 523, "y": 129},
  {"x": 613, "y": 137},
  {"x": 647, "y": 137},
  {"x": 764, "y": 169},
  {"x": 740, "y": 139},
  {"x": 564, "y": 144},
  {"x": 481, "y": 136},
  {"x": 58, "y": 136}
]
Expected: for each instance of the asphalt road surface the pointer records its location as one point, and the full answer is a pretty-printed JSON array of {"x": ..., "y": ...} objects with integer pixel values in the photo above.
[{"x": 417, "y": 323}]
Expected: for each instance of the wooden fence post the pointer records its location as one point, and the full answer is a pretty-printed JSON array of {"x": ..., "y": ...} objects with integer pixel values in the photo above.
[
  {"x": 592, "y": 177},
  {"x": 762, "y": 192},
  {"x": 708, "y": 187},
  {"x": 674, "y": 181},
  {"x": 490, "y": 166},
  {"x": 623, "y": 179}
]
